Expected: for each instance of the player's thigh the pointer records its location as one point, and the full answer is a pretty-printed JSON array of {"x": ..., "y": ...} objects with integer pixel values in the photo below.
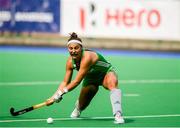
[
  {"x": 86, "y": 94},
  {"x": 110, "y": 80}
]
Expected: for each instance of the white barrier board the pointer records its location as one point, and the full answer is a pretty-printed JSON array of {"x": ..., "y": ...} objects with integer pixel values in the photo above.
[{"x": 131, "y": 19}]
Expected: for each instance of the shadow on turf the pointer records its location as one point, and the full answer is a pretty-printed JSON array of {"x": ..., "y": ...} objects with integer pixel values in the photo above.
[
  {"x": 126, "y": 120},
  {"x": 129, "y": 120}
]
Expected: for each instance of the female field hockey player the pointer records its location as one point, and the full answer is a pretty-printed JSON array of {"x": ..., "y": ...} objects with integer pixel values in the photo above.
[{"x": 94, "y": 70}]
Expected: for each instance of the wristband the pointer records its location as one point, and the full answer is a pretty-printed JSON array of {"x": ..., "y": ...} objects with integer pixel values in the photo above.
[
  {"x": 60, "y": 93},
  {"x": 65, "y": 90}
]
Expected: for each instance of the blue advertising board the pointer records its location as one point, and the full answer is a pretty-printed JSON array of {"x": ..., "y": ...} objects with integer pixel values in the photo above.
[{"x": 30, "y": 15}]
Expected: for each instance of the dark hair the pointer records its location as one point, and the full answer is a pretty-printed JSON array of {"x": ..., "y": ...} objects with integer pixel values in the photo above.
[{"x": 74, "y": 36}]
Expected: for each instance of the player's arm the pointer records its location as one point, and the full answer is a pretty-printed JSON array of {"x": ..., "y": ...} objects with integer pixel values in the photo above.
[
  {"x": 67, "y": 78},
  {"x": 68, "y": 74},
  {"x": 84, "y": 68}
]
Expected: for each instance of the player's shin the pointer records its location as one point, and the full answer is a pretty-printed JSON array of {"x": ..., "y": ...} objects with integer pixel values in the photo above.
[{"x": 115, "y": 96}]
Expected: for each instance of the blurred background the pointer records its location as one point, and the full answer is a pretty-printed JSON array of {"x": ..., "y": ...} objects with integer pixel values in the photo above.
[{"x": 114, "y": 24}]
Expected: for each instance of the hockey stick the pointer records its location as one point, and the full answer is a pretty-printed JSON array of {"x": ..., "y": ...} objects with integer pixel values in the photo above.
[{"x": 20, "y": 112}]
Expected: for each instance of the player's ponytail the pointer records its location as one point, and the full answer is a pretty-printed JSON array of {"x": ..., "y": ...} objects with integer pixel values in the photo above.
[
  {"x": 74, "y": 38},
  {"x": 73, "y": 35}
]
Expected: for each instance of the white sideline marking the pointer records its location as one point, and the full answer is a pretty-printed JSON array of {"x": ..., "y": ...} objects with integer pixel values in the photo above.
[
  {"x": 150, "y": 81},
  {"x": 90, "y": 118},
  {"x": 120, "y": 81},
  {"x": 130, "y": 95},
  {"x": 29, "y": 83}
]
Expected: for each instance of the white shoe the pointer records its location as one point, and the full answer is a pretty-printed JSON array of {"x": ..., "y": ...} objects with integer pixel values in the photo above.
[
  {"x": 118, "y": 119},
  {"x": 76, "y": 113}
]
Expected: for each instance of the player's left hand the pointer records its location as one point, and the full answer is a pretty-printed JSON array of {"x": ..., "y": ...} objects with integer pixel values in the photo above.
[{"x": 57, "y": 97}]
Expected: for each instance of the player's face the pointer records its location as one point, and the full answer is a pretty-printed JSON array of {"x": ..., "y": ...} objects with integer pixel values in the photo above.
[{"x": 75, "y": 50}]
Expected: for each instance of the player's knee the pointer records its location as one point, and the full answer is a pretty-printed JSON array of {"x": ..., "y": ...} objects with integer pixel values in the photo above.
[{"x": 112, "y": 86}]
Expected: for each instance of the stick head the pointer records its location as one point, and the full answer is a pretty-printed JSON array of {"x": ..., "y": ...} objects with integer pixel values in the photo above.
[{"x": 12, "y": 111}]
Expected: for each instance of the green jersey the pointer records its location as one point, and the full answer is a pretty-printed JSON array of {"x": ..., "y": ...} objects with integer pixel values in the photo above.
[{"x": 96, "y": 72}]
